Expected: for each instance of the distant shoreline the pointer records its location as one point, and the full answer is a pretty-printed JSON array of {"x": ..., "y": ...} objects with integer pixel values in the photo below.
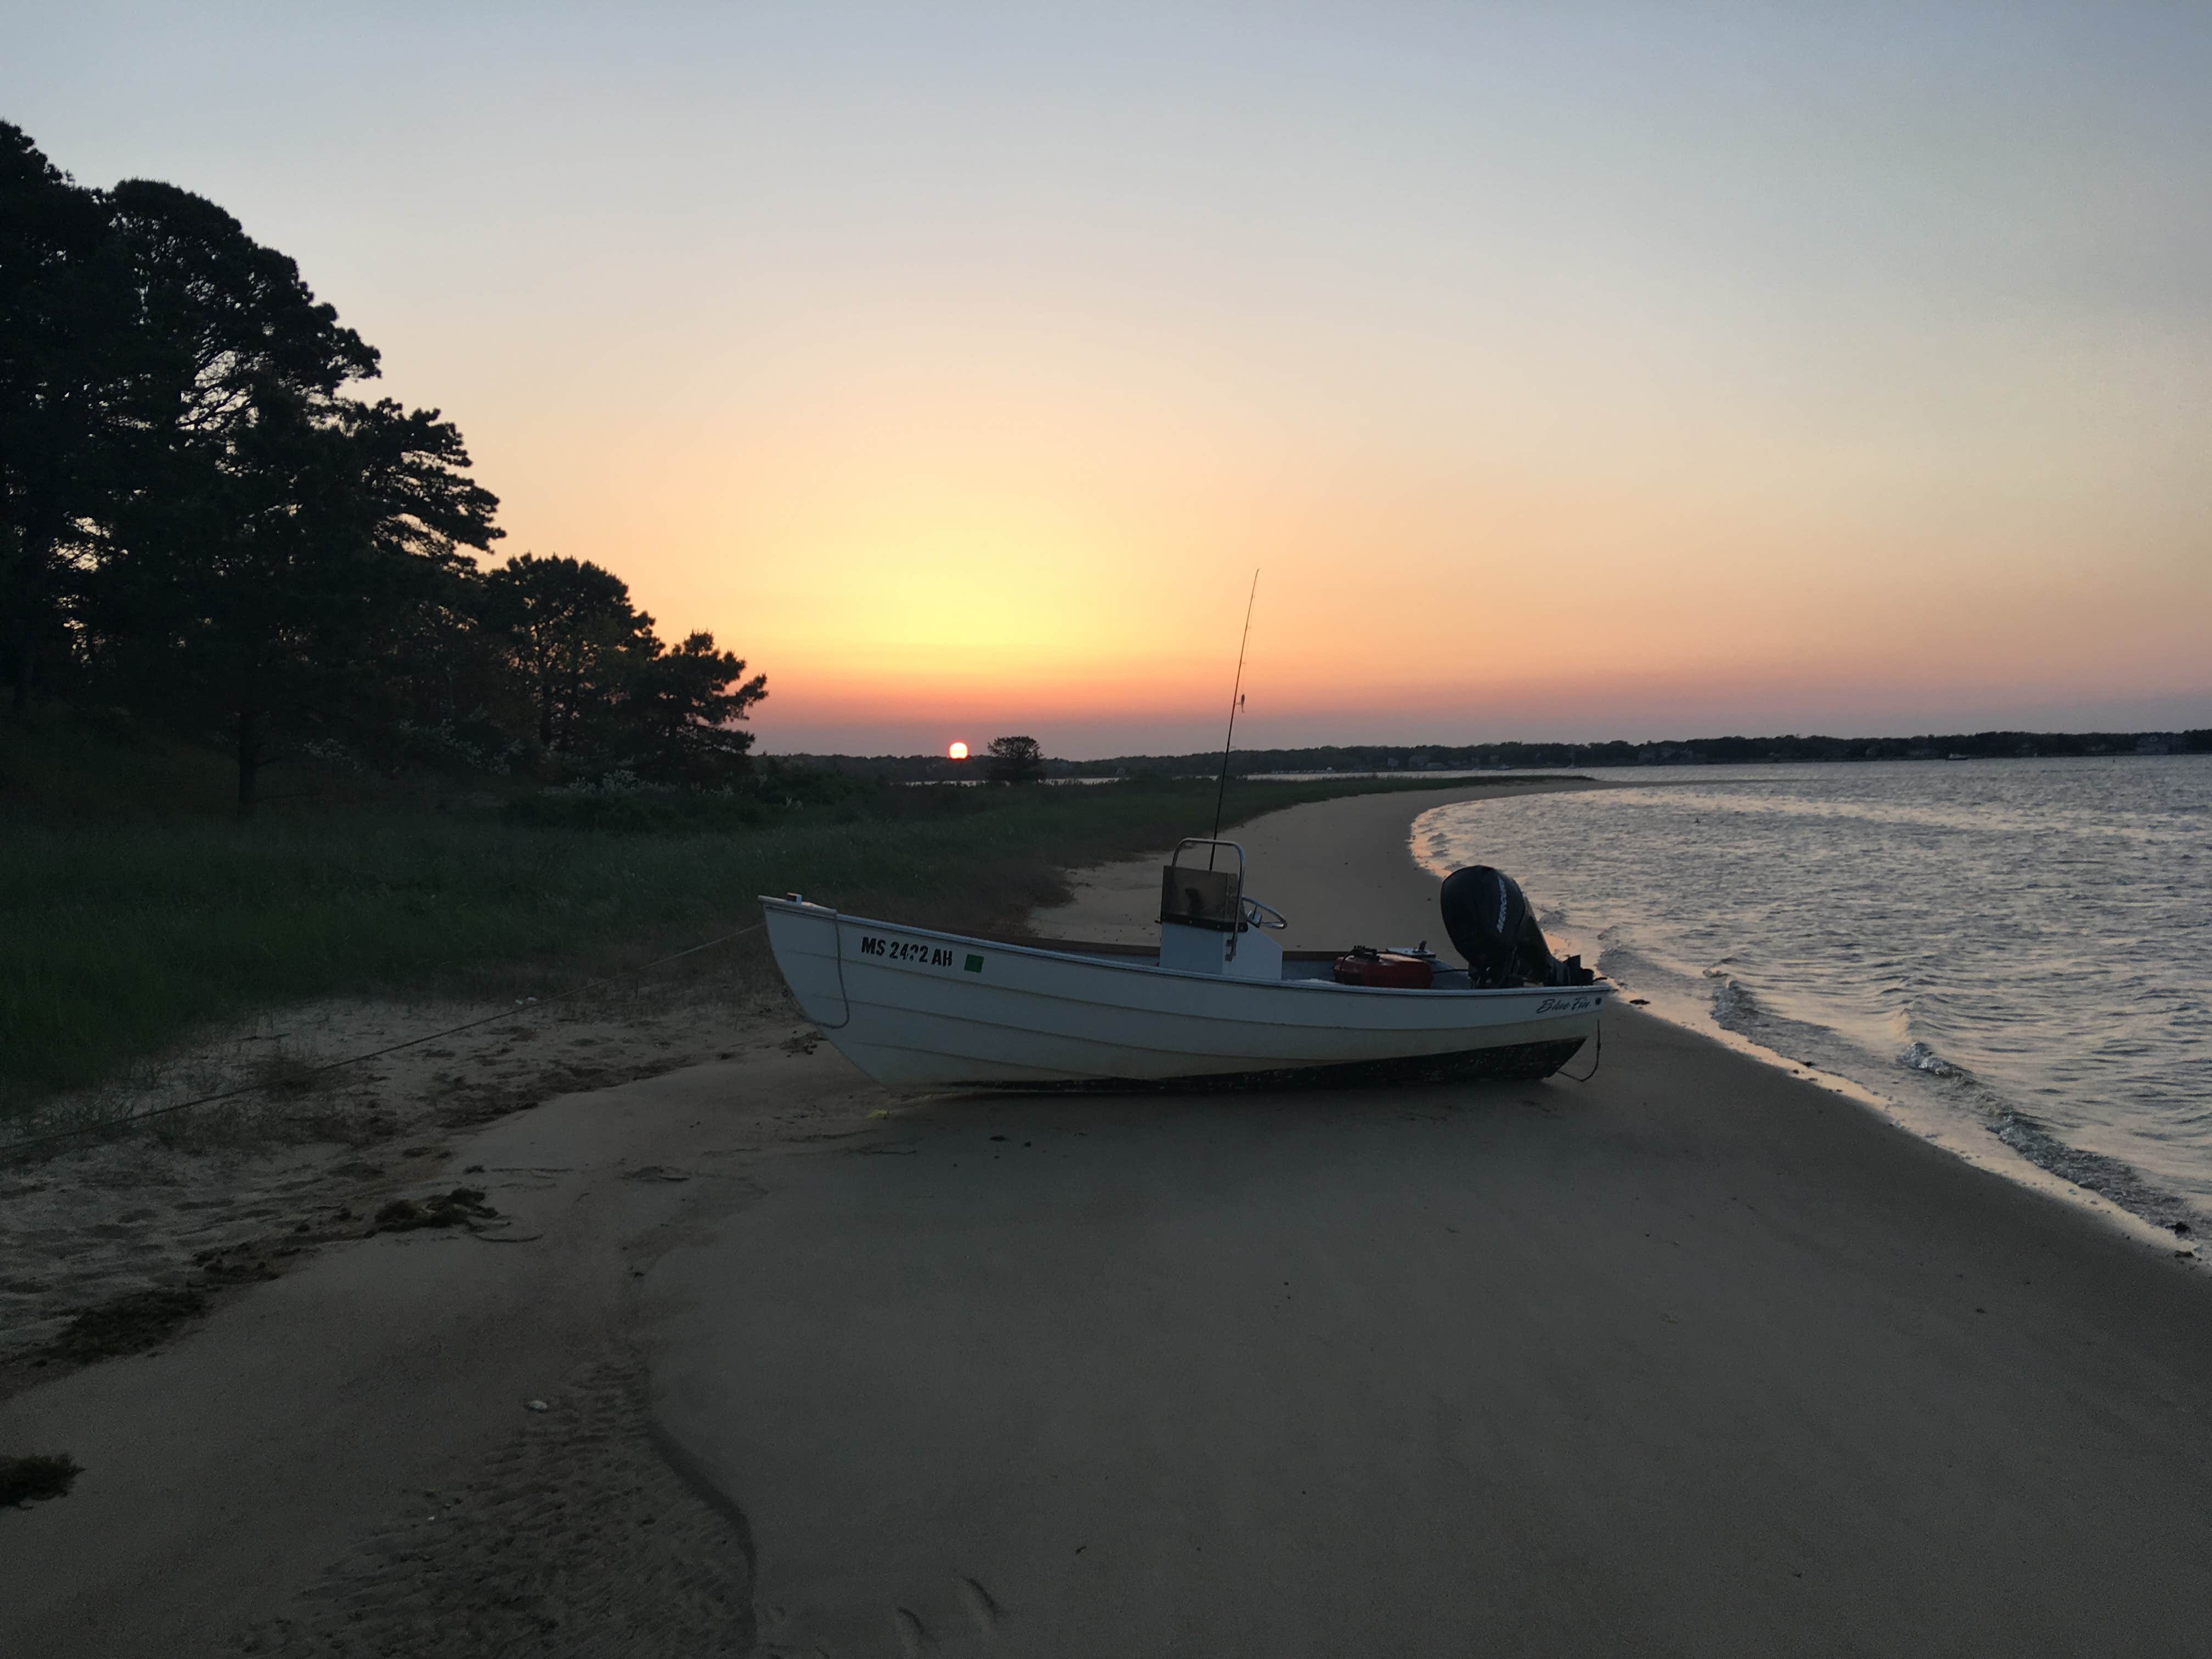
[{"x": 1483, "y": 758}]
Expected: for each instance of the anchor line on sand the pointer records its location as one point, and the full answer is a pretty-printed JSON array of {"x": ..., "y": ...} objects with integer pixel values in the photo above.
[
  {"x": 531, "y": 1006},
  {"x": 1597, "y": 1055}
]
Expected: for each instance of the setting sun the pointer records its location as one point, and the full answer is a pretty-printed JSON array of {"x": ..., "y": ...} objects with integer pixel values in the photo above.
[{"x": 958, "y": 752}]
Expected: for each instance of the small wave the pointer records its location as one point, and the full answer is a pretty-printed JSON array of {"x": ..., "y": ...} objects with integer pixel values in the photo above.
[
  {"x": 1919, "y": 1057},
  {"x": 1757, "y": 920},
  {"x": 1733, "y": 1002},
  {"x": 2122, "y": 1183}
]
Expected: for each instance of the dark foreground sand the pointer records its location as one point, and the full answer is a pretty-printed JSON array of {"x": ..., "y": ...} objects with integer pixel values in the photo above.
[{"x": 1693, "y": 1358}]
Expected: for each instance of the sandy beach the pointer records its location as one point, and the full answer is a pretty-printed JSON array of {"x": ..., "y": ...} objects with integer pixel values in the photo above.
[{"x": 1693, "y": 1358}]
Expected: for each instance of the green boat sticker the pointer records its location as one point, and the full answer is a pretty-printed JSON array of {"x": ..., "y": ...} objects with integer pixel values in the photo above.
[{"x": 975, "y": 964}]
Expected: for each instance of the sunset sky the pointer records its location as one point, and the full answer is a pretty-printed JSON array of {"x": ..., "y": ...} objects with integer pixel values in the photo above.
[{"x": 1567, "y": 371}]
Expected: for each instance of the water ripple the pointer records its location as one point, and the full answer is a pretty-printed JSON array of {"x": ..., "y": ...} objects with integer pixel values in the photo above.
[{"x": 2025, "y": 942}]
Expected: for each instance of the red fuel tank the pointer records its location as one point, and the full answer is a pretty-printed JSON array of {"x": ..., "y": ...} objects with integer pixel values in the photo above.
[{"x": 1363, "y": 966}]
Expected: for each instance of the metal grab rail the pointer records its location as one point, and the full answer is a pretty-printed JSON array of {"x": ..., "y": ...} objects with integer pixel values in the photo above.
[{"x": 1175, "y": 857}]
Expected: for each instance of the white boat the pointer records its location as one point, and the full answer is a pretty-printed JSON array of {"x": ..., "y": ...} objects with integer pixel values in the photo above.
[{"x": 1217, "y": 1003}]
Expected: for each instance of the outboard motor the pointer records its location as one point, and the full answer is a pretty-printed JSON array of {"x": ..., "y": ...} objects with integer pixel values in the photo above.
[{"x": 1490, "y": 925}]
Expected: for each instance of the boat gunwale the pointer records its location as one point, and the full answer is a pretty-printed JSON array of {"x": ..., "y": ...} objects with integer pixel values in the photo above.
[{"x": 1601, "y": 988}]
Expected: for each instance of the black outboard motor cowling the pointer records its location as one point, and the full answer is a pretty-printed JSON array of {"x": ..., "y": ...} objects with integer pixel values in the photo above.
[{"x": 1490, "y": 925}]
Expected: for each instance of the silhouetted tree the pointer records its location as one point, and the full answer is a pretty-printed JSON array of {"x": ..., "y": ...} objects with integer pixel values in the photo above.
[
  {"x": 679, "y": 710},
  {"x": 1016, "y": 760},
  {"x": 453, "y": 687},
  {"x": 274, "y": 532},
  {"x": 194, "y": 509},
  {"x": 606, "y": 692},
  {"x": 65, "y": 311},
  {"x": 422, "y": 653},
  {"x": 267, "y": 596},
  {"x": 572, "y": 633}
]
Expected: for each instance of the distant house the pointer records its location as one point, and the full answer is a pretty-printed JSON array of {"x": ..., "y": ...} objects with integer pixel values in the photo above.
[{"x": 2158, "y": 742}]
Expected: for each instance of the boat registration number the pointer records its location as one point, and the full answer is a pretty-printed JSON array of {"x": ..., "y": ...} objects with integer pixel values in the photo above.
[{"x": 920, "y": 955}]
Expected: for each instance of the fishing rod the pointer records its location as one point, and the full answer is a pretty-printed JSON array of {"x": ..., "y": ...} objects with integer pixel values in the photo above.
[{"x": 1236, "y": 701}]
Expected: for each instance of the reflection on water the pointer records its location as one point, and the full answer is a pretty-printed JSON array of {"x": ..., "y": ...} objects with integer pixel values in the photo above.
[{"x": 2028, "y": 941}]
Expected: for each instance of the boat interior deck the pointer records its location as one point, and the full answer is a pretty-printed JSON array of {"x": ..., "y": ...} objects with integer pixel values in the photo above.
[{"x": 1296, "y": 964}]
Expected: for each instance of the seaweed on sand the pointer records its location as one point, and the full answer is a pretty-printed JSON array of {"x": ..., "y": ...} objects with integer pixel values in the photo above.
[
  {"x": 462, "y": 1207},
  {"x": 23, "y": 1480},
  {"x": 126, "y": 1324}
]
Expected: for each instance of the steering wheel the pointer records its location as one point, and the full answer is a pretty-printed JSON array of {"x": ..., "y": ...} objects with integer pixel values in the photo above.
[{"x": 1256, "y": 914}]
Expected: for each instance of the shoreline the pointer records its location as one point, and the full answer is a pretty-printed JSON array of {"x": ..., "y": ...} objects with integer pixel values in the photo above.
[
  {"x": 1117, "y": 903},
  {"x": 1973, "y": 1131},
  {"x": 1696, "y": 1357}
]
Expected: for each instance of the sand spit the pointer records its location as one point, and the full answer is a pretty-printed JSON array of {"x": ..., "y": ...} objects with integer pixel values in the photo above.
[{"x": 1693, "y": 1358}]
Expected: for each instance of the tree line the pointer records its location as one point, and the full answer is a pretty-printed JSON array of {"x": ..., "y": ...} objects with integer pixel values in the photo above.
[
  {"x": 1688, "y": 751},
  {"x": 204, "y": 523},
  {"x": 1033, "y": 763}
]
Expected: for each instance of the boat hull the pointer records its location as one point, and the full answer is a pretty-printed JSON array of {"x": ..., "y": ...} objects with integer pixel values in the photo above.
[{"x": 918, "y": 1009}]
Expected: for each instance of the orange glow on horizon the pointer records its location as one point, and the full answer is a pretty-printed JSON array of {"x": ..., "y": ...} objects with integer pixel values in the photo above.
[
  {"x": 1691, "y": 418},
  {"x": 958, "y": 752}
]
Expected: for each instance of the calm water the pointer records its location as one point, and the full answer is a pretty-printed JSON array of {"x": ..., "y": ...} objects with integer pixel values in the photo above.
[{"x": 2025, "y": 945}]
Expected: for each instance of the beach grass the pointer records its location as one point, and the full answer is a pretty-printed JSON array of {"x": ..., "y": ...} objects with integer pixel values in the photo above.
[{"x": 126, "y": 933}]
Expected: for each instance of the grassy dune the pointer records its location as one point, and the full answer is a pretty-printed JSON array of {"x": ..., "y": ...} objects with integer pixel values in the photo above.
[{"x": 126, "y": 930}]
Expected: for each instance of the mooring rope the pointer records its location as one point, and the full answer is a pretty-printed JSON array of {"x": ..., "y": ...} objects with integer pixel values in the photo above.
[
  {"x": 845, "y": 1001},
  {"x": 531, "y": 1006},
  {"x": 1597, "y": 1054}
]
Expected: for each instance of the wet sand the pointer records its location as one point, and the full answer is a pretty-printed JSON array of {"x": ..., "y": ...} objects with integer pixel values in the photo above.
[{"x": 1695, "y": 1358}]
